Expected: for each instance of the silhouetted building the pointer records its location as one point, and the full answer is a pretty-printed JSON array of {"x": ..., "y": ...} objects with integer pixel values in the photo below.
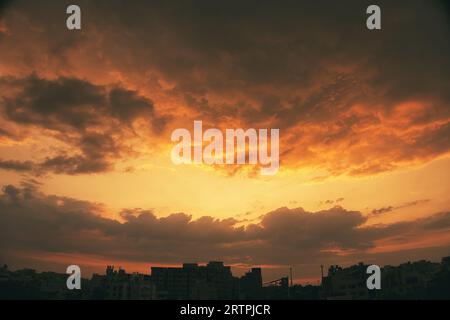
[
  {"x": 408, "y": 279},
  {"x": 119, "y": 285},
  {"x": 277, "y": 289},
  {"x": 307, "y": 292},
  {"x": 251, "y": 284},
  {"x": 29, "y": 284},
  {"x": 213, "y": 281},
  {"x": 411, "y": 280},
  {"x": 4, "y": 273},
  {"x": 346, "y": 283}
]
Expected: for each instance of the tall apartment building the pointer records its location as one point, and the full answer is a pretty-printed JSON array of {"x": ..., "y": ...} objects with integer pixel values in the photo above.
[{"x": 192, "y": 281}]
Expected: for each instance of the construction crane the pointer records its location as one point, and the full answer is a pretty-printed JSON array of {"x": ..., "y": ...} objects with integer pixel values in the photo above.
[
  {"x": 280, "y": 281},
  {"x": 287, "y": 281}
]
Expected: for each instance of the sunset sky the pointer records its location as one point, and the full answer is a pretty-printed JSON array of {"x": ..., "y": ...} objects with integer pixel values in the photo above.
[{"x": 86, "y": 118}]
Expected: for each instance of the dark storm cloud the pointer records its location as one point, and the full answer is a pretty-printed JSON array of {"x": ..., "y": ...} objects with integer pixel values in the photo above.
[
  {"x": 330, "y": 201},
  {"x": 438, "y": 222},
  {"x": 16, "y": 165},
  {"x": 387, "y": 209},
  {"x": 58, "y": 164},
  {"x": 32, "y": 221},
  {"x": 4, "y": 133},
  {"x": 292, "y": 64},
  {"x": 311, "y": 69},
  {"x": 70, "y": 102},
  {"x": 301, "y": 230},
  {"x": 382, "y": 210},
  {"x": 283, "y": 45},
  {"x": 87, "y": 117},
  {"x": 4, "y": 4},
  {"x": 127, "y": 105},
  {"x": 292, "y": 45},
  {"x": 74, "y": 165}
]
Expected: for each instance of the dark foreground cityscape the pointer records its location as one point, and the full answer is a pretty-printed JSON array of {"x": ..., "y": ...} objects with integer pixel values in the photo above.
[{"x": 411, "y": 280}]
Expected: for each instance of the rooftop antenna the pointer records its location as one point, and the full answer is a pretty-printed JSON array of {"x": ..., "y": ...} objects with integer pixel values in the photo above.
[
  {"x": 290, "y": 272},
  {"x": 321, "y": 270}
]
